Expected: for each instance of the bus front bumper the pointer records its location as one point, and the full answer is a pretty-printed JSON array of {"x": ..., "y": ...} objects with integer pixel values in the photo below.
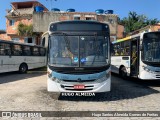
[{"x": 54, "y": 86}]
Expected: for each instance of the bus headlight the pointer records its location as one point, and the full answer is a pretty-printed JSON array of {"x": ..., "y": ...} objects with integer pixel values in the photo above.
[
  {"x": 108, "y": 74},
  {"x": 53, "y": 78},
  {"x": 147, "y": 69},
  {"x": 104, "y": 77},
  {"x": 50, "y": 76}
]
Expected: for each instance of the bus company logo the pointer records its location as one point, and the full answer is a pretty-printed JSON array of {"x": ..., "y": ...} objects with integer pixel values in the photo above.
[
  {"x": 79, "y": 80},
  {"x": 79, "y": 68},
  {"x": 6, "y": 114}
]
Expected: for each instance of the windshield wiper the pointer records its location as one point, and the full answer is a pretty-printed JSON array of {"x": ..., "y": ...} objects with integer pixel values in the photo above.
[{"x": 95, "y": 48}]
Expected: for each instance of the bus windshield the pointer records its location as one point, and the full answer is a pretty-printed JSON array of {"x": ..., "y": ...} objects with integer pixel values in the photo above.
[
  {"x": 78, "y": 51},
  {"x": 151, "y": 47}
]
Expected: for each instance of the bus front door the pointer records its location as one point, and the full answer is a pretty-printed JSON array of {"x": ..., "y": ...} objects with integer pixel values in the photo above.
[{"x": 134, "y": 69}]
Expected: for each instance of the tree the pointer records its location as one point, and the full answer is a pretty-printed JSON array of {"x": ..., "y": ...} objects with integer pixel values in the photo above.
[
  {"x": 134, "y": 22},
  {"x": 25, "y": 30}
]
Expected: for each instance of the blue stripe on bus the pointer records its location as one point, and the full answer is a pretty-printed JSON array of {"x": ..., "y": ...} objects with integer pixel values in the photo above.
[{"x": 82, "y": 77}]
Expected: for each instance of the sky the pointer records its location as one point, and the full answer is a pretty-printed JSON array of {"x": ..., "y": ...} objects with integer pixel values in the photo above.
[{"x": 150, "y": 8}]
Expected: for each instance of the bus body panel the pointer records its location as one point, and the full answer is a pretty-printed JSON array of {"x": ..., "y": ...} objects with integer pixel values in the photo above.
[
  {"x": 4, "y": 67},
  {"x": 118, "y": 61},
  {"x": 146, "y": 56},
  {"x": 13, "y": 63},
  {"x": 99, "y": 87},
  {"x": 60, "y": 85},
  {"x": 69, "y": 55},
  {"x": 148, "y": 72},
  {"x": 15, "y": 54}
]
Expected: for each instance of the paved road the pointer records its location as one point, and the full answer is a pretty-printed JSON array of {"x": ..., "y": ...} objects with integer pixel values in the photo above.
[{"x": 19, "y": 92}]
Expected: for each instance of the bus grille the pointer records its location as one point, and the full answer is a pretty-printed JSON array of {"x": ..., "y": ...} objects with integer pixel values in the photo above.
[
  {"x": 71, "y": 87},
  {"x": 79, "y": 81},
  {"x": 157, "y": 76}
]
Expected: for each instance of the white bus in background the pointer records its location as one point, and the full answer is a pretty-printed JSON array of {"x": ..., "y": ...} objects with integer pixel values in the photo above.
[
  {"x": 137, "y": 56},
  {"x": 78, "y": 56},
  {"x": 20, "y": 57}
]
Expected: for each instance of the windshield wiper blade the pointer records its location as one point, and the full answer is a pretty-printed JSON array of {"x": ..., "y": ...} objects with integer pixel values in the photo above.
[{"x": 95, "y": 48}]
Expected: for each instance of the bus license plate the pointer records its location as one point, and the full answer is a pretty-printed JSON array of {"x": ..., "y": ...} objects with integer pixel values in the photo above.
[{"x": 79, "y": 86}]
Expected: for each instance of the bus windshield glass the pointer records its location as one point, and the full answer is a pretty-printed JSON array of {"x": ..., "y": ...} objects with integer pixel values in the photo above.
[
  {"x": 151, "y": 47},
  {"x": 78, "y": 51}
]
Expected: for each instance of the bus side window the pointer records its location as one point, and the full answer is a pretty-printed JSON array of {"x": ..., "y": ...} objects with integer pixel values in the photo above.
[
  {"x": 7, "y": 49},
  {"x": 42, "y": 51},
  {"x": 126, "y": 47},
  {"x": 26, "y": 50},
  {"x": 35, "y": 51},
  {"x": 17, "y": 50},
  {"x": 116, "y": 53},
  {"x": 116, "y": 49},
  {"x": 122, "y": 51},
  {"x": 2, "y": 52}
]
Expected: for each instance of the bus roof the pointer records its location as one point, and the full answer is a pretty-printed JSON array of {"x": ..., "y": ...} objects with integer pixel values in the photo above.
[
  {"x": 127, "y": 38},
  {"x": 18, "y": 43},
  {"x": 78, "y": 25},
  {"x": 121, "y": 40},
  {"x": 77, "y": 21},
  {"x": 133, "y": 36}
]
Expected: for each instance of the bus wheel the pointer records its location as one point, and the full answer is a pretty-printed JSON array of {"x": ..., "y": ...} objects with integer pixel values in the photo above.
[
  {"x": 23, "y": 68},
  {"x": 123, "y": 72}
]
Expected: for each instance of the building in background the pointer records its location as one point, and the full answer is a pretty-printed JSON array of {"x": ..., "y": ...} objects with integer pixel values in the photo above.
[
  {"x": 34, "y": 13},
  {"x": 148, "y": 28},
  {"x": 21, "y": 12},
  {"x": 3, "y": 35},
  {"x": 41, "y": 20},
  {"x": 120, "y": 31}
]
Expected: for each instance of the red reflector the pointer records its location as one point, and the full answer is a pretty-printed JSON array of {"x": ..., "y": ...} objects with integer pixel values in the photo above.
[{"x": 79, "y": 86}]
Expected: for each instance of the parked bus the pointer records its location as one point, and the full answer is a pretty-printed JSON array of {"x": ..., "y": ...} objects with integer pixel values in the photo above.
[
  {"x": 137, "y": 56},
  {"x": 78, "y": 56},
  {"x": 16, "y": 56}
]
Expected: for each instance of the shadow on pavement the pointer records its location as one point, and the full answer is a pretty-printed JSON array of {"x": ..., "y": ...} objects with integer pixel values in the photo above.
[
  {"x": 120, "y": 90},
  {"x": 15, "y": 76}
]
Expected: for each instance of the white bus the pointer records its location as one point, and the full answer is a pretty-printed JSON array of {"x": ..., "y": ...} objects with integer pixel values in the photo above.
[
  {"x": 16, "y": 56},
  {"x": 78, "y": 56},
  {"x": 137, "y": 56}
]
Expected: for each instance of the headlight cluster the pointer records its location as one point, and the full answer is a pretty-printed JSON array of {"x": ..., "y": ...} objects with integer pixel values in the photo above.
[
  {"x": 50, "y": 76},
  {"x": 104, "y": 77},
  {"x": 147, "y": 69}
]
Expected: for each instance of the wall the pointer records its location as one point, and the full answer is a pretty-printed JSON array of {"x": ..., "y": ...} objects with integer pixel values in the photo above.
[
  {"x": 120, "y": 32},
  {"x": 42, "y": 20},
  {"x": 12, "y": 30},
  {"x": 5, "y": 37},
  {"x": 155, "y": 28},
  {"x": 21, "y": 12}
]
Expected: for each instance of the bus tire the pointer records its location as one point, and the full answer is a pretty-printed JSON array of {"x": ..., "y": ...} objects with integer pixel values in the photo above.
[
  {"x": 123, "y": 72},
  {"x": 23, "y": 68}
]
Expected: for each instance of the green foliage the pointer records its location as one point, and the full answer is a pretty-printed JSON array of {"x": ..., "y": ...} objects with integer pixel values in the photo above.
[
  {"x": 134, "y": 22},
  {"x": 25, "y": 30}
]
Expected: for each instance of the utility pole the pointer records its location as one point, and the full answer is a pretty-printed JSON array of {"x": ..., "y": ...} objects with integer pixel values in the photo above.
[{"x": 51, "y": 4}]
